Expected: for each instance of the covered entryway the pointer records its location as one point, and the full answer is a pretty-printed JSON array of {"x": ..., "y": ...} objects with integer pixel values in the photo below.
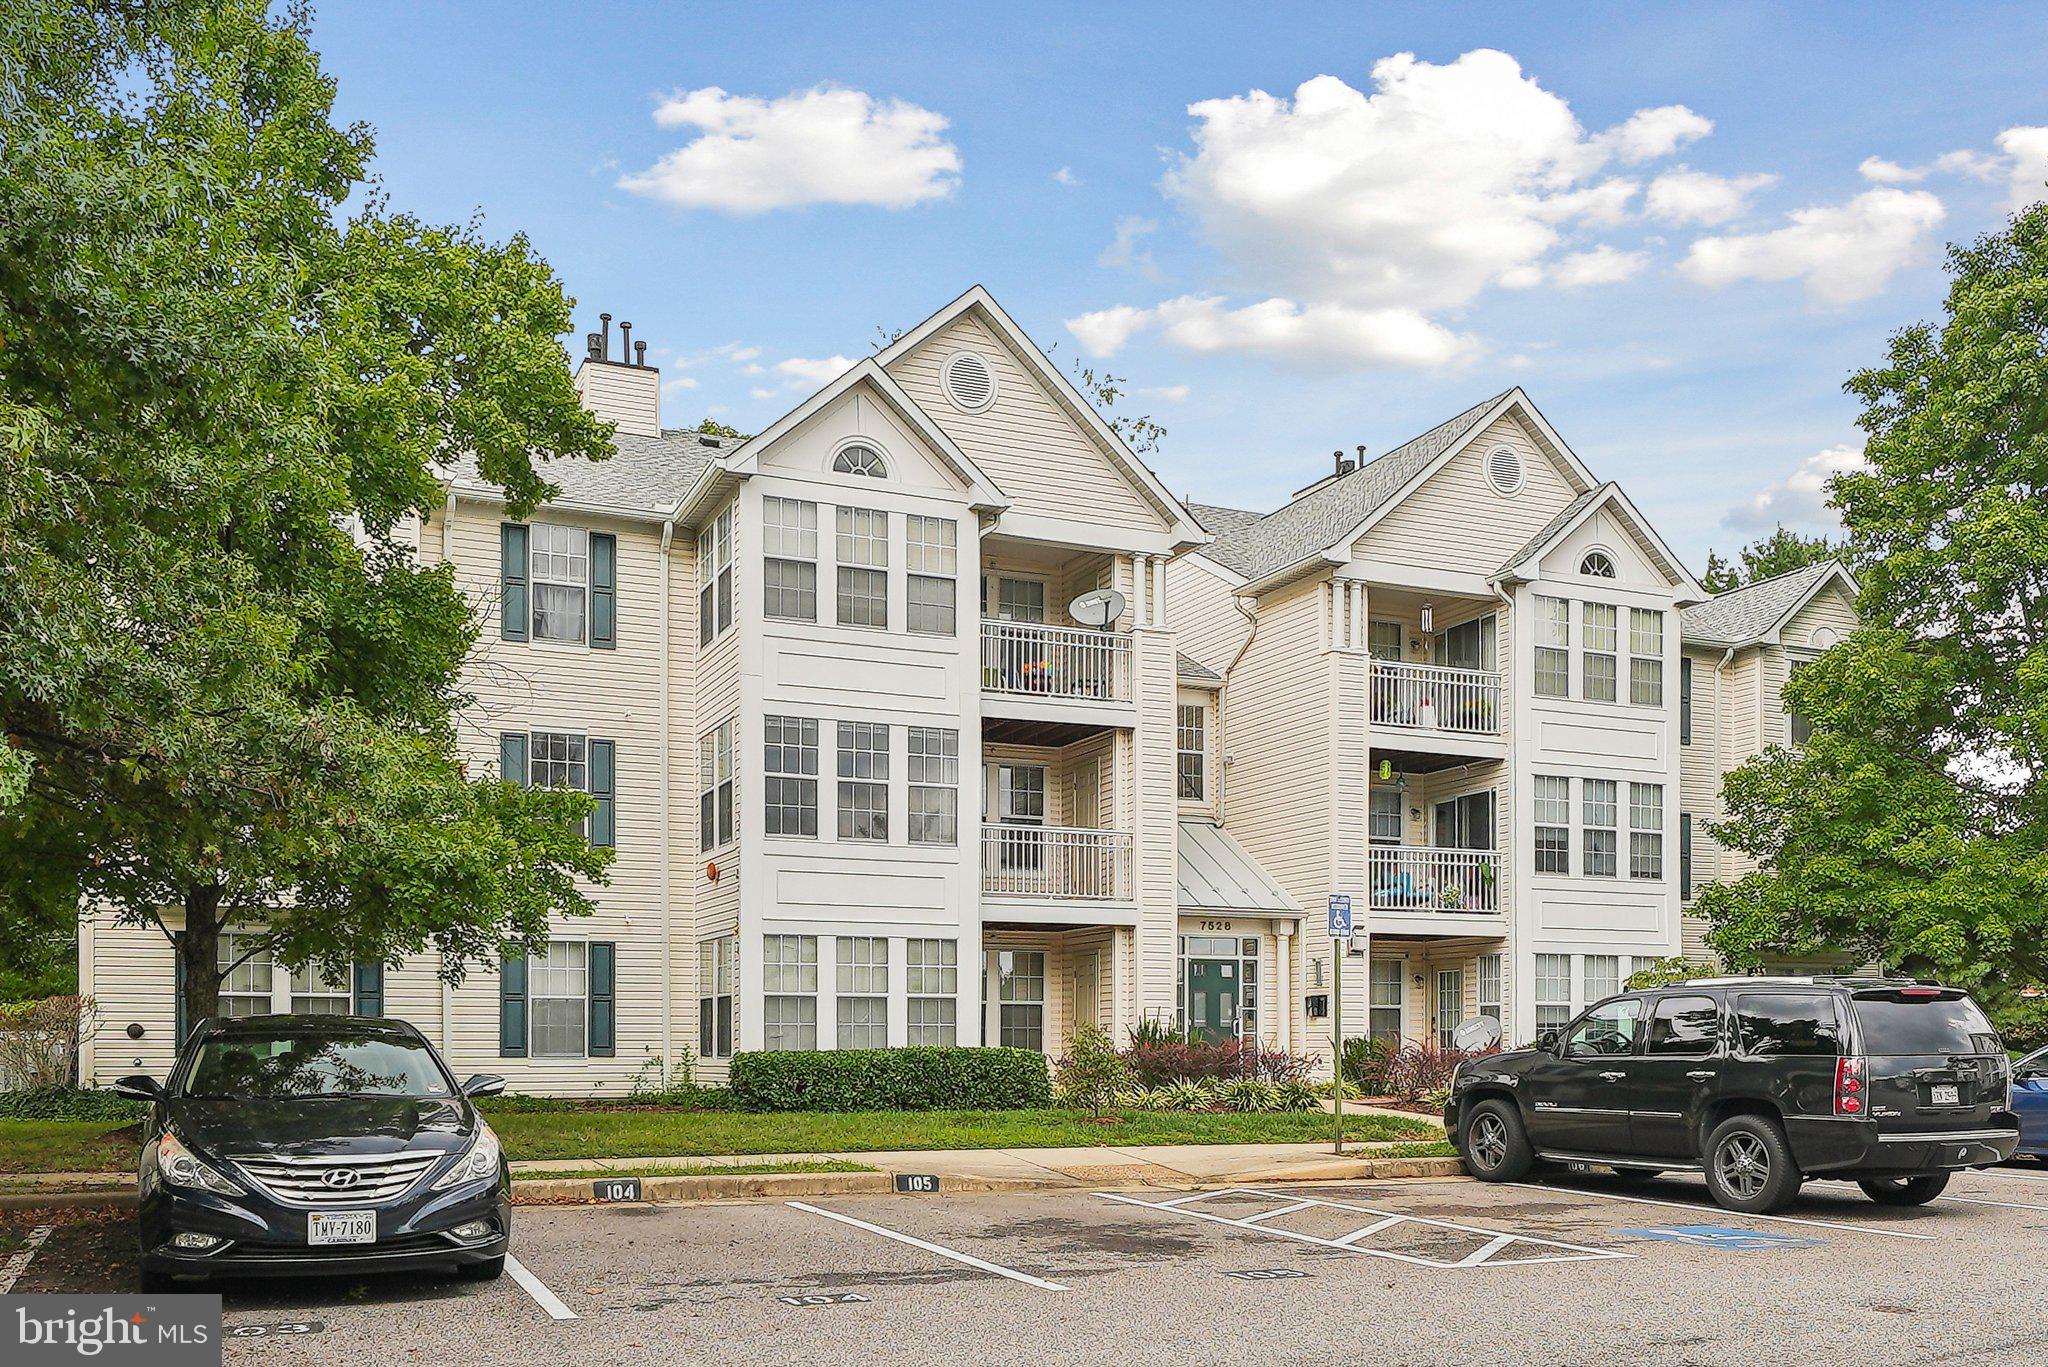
[{"x": 1236, "y": 943}]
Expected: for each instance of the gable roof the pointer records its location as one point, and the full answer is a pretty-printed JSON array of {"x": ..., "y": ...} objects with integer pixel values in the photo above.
[
  {"x": 646, "y": 479},
  {"x": 1756, "y": 611},
  {"x": 1191, "y": 670},
  {"x": 1575, "y": 514},
  {"x": 1227, "y": 525},
  {"x": 979, "y": 301},
  {"x": 1552, "y": 530}
]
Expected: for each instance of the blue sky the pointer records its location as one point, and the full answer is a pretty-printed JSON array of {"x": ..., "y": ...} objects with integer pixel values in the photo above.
[{"x": 1678, "y": 228}]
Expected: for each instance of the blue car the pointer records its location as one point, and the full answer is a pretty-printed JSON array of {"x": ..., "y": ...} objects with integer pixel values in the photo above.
[{"x": 2030, "y": 1100}]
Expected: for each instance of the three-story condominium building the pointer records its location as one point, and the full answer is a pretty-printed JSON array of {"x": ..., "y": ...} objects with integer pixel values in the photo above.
[{"x": 927, "y": 715}]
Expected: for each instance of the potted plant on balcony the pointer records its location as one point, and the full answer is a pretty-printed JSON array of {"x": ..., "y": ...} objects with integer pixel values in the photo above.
[
  {"x": 1425, "y": 713},
  {"x": 1451, "y": 897}
]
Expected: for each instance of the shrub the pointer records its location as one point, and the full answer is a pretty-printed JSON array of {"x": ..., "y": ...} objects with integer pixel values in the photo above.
[
  {"x": 1153, "y": 1030},
  {"x": 1417, "y": 1070},
  {"x": 912, "y": 1079},
  {"x": 1249, "y": 1094},
  {"x": 1297, "y": 1094},
  {"x": 1197, "y": 1094},
  {"x": 1092, "y": 1073},
  {"x": 1365, "y": 1065},
  {"x": 1157, "y": 1062},
  {"x": 40, "y": 1040},
  {"x": 2023, "y": 1023},
  {"x": 676, "y": 1087},
  {"x": 68, "y": 1103}
]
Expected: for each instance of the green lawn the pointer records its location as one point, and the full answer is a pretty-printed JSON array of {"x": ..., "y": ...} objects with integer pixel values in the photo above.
[
  {"x": 700, "y": 1169},
  {"x": 627, "y": 1134},
  {"x": 66, "y": 1146}
]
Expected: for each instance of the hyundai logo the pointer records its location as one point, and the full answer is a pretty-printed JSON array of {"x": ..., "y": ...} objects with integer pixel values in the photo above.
[{"x": 341, "y": 1178}]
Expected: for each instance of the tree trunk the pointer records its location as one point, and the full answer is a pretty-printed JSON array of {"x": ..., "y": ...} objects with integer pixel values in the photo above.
[{"x": 199, "y": 952}]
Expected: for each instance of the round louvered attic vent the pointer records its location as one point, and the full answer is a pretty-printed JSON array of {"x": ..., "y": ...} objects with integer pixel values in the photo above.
[
  {"x": 970, "y": 382},
  {"x": 1504, "y": 470}
]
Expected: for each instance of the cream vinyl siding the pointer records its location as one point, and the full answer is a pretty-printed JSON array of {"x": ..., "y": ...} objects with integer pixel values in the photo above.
[
  {"x": 1455, "y": 520},
  {"x": 1025, "y": 442},
  {"x": 1201, "y": 605},
  {"x": 1830, "y": 609},
  {"x": 1153, "y": 811}
]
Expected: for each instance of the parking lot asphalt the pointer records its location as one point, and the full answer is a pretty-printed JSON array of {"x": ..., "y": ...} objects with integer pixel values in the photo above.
[{"x": 1585, "y": 1268}]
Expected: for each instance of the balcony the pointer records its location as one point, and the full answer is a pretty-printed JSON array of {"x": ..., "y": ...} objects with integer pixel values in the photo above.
[
  {"x": 1053, "y": 864},
  {"x": 1051, "y": 685},
  {"x": 1436, "y": 709},
  {"x": 1433, "y": 890}
]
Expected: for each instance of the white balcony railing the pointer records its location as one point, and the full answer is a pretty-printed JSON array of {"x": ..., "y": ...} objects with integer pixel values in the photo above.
[
  {"x": 1063, "y": 863},
  {"x": 1425, "y": 878},
  {"x": 1435, "y": 698},
  {"x": 1055, "y": 662}
]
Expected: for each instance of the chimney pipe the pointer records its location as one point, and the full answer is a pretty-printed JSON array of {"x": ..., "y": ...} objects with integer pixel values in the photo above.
[
  {"x": 640, "y": 354},
  {"x": 593, "y": 346},
  {"x": 1361, "y": 455},
  {"x": 625, "y": 344},
  {"x": 605, "y": 351},
  {"x": 1338, "y": 457}
]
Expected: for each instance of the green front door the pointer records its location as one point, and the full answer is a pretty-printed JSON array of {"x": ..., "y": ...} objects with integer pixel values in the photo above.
[{"x": 1214, "y": 995}]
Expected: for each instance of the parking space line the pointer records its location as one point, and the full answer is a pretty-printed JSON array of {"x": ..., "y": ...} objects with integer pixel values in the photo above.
[
  {"x": 2010, "y": 1176},
  {"x": 534, "y": 1287},
  {"x": 1985, "y": 1201},
  {"x": 1717, "y": 1210},
  {"x": 17, "y": 1262},
  {"x": 1481, "y": 1257},
  {"x": 955, "y": 1254}
]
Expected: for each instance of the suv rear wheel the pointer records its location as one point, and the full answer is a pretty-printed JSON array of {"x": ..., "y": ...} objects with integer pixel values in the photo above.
[
  {"x": 1906, "y": 1191},
  {"x": 1496, "y": 1147},
  {"x": 1749, "y": 1166}
]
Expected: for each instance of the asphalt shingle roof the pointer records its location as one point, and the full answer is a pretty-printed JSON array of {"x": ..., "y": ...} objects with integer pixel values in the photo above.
[
  {"x": 648, "y": 473},
  {"x": 1741, "y": 615},
  {"x": 1551, "y": 528},
  {"x": 1261, "y": 545},
  {"x": 1189, "y": 667}
]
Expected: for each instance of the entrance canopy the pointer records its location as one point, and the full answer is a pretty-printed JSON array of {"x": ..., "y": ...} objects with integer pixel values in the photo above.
[{"x": 1218, "y": 876}]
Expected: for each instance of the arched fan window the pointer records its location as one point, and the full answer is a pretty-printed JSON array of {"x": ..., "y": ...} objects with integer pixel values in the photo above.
[
  {"x": 1597, "y": 565},
  {"x": 860, "y": 460}
]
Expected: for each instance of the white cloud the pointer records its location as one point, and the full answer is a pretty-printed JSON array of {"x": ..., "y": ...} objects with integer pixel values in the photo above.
[
  {"x": 1889, "y": 172},
  {"x": 1317, "y": 335},
  {"x": 1065, "y": 176},
  {"x": 1446, "y": 179},
  {"x": 674, "y": 386},
  {"x": 2027, "y": 153},
  {"x": 2021, "y": 162},
  {"x": 820, "y": 146},
  {"x": 801, "y": 373},
  {"x": 1841, "y": 252},
  {"x": 1801, "y": 498},
  {"x": 1123, "y": 253},
  {"x": 1170, "y": 393},
  {"x": 1603, "y": 265},
  {"x": 760, "y": 392},
  {"x": 1685, "y": 196}
]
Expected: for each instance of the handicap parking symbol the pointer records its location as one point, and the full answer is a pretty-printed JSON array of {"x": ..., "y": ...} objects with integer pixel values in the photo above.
[{"x": 1719, "y": 1236}]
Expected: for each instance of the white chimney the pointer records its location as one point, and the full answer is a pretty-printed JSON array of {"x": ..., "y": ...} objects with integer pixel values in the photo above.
[{"x": 626, "y": 391}]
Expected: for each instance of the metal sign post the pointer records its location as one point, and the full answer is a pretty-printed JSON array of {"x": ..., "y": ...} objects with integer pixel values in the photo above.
[{"x": 1340, "y": 946}]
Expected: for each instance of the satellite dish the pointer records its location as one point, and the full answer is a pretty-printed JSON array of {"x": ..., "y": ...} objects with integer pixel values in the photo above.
[
  {"x": 1475, "y": 1033},
  {"x": 1097, "y": 609}
]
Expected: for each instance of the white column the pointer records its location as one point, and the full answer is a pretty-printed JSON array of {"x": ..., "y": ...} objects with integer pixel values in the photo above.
[
  {"x": 1159, "y": 594},
  {"x": 1283, "y": 984}
]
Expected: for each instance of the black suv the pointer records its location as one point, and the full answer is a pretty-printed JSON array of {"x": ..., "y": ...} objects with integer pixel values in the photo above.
[
  {"x": 286, "y": 1145},
  {"x": 1760, "y": 1083}
]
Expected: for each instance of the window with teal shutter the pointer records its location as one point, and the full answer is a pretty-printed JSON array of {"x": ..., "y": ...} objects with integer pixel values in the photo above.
[
  {"x": 512, "y": 753},
  {"x": 179, "y": 1022},
  {"x": 604, "y": 824},
  {"x": 604, "y": 1041},
  {"x": 513, "y": 607},
  {"x": 369, "y": 988},
  {"x": 512, "y": 1005},
  {"x": 604, "y": 585}
]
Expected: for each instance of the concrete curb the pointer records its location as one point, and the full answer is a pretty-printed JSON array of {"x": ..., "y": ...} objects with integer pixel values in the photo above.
[{"x": 1362, "y": 1169}]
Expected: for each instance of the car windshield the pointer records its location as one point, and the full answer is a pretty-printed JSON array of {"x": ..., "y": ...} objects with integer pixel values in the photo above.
[
  {"x": 1924, "y": 1025},
  {"x": 293, "y": 1065}
]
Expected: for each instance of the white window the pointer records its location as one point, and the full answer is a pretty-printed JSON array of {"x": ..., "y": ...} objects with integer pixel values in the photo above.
[
  {"x": 1603, "y": 976},
  {"x": 934, "y": 785},
  {"x": 1598, "y": 816},
  {"x": 559, "y": 563},
  {"x": 1489, "y": 987},
  {"x": 249, "y": 975},
  {"x": 1645, "y": 657},
  {"x": 1385, "y": 992},
  {"x": 1020, "y": 600},
  {"x": 1646, "y": 830},
  {"x": 1553, "y": 648},
  {"x": 715, "y": 788},
  {"x": 315, "y": 994},
  {"x": 932, "y": 980},
  {"x": 1600, "y": 626},
  {"x": 789, "y": 775},
  {"x": 1383, "y": 640},
  {"x": 863, "y": 780},
  {"x": 1384, "y": 819},
  {"x": 1020, "y": 999},
  {"x": 1190, "y": 755},
  {"x": 860, "y": 460},
  {"x": 863, "y": 988},
  {"x": 1553, "y": 824},
  {"x": 789, "y": 985},
  {"x": 932, "y": 557},
  {"x": 1553, "y": 991},
  {"x": 714, "y": 578},
  {"x": 1597, "y": 565},
  {"x": 555, "y": 759},
  {"x": 718, "y": 970},
  {"x": 557, "y": 985},
  {"x": 862, "y": 543},
  {"x": 789, "y": 571}
]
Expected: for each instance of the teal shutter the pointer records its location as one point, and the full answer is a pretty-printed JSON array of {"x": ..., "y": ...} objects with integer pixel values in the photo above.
[
  {"x": 512, "y": 601},
  {"x": 604, "y": 1037},
  {"x": 1685, "y": 856},
  {"x": 512, "y": 757},
  {"x": 512, "y": 1005},
  {"x": 1685, "y": 700},
  {"x": 604, "y": 822},
  {"x": 369, "y": 987},
  {"x": 604, "y": 587},
  {"x": 180, "y": 1023}
]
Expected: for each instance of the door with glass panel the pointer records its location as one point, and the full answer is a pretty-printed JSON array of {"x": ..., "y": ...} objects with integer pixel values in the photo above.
[
  {"x": 1014, "y": 654},
  {"x": 1019, "y": 997},
  {"x": 1465, "y": 822},
  {"x": 1450, "y": 1004},
  {"x": 1017, "y": 806}
]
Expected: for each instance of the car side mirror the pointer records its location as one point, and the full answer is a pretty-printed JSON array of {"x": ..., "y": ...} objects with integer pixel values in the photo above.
[
  {"x": 1546, "y": 1040},
  {"x": 483, "y": 1084},
  {"x": 139, "y": 1087}
]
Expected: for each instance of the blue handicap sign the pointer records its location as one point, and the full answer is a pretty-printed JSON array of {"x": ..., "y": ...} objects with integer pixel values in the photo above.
[
  {"x": 1719, "y": 1236},
  {"x": 1340, "y": 916}
]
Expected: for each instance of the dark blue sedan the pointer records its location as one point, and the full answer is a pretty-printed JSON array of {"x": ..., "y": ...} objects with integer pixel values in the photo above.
[{"x": 2030, "y": 1100}]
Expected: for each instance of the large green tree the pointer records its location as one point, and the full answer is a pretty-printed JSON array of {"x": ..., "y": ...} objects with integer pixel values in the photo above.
[
  {"x": 1783, "y": 551},
  {"x": 1913, "y": 826},
  {"x": 229, "y": 692}
]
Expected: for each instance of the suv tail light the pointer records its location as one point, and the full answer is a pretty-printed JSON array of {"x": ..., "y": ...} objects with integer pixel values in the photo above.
[{"x": 1849, "y": 1088}]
